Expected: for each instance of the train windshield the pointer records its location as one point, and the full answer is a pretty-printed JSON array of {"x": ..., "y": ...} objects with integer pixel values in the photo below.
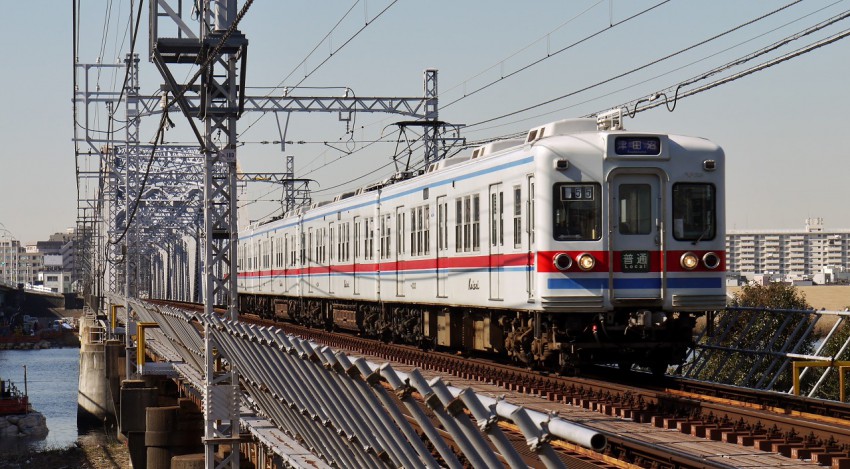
[
  {"x": 576, "y": 211},
  {"x": 694, "y": 212}
]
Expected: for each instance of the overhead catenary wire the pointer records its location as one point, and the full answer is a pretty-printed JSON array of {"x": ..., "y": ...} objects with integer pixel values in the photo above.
[
  {"x": 764, "y": 65},
  {"x": 635, "y": 104},
  {"x": 323, "y": 62},
  {"x": 526, "y": 47},
  {"x": 130, "y": 60},
  {"x": 570, "y": 46},
  {"x": 326, "y": 36},
  {"x": 776, "y": 45},
  {"x": 702, "y": 75},
  {"x": 634, "y": 70}
]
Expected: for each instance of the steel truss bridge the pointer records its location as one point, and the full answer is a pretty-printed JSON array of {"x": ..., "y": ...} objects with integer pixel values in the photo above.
[{"x": 159, "y": 221}]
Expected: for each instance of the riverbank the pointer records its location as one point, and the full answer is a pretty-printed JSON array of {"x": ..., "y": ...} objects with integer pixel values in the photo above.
[{"x": 89, "y": 452}]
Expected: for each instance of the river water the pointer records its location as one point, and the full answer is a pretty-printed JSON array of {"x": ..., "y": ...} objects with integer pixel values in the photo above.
[{"x": 52, "y": 382}]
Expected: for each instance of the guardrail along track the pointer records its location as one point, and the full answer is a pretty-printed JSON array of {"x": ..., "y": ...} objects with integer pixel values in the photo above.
[
  {"x": 789, "y": 425},
  {"x": 793, "y": 426}
]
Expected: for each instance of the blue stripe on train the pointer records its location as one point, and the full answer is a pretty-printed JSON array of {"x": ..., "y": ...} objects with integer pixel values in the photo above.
[
  {"x": 695, "y": 282},
  {"x": 632, "y": 283}
]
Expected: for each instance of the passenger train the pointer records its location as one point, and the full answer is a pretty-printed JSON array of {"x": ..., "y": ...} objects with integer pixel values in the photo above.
[{"x": 580, "y": 243}]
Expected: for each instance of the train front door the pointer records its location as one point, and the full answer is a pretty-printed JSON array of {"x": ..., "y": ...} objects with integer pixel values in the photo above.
[{"x": 637, "y": 236}]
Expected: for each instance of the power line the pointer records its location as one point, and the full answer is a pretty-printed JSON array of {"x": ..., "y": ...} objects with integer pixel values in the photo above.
[
  {"x": 580, "y": 41},
  {"x": 725, "y": 66},
  {"x": 523, "y": 49},
  {"x": 722, "y": 81},
  {"x": 334, "y": 52},
  {"x": 130, "y": 58},
  {"x": 636, "y": 69},
  {"x": 294, "y": 69}
]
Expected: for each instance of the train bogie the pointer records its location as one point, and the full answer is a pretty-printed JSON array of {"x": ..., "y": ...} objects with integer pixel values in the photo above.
[{"x": 573, "y": 245}]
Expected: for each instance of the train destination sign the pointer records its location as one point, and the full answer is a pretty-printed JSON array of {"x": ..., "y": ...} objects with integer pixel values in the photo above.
[{"x": 637, "y": 146}]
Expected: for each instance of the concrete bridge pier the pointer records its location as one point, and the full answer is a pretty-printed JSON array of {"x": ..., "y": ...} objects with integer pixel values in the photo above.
[{"x": 95, "y": 405}]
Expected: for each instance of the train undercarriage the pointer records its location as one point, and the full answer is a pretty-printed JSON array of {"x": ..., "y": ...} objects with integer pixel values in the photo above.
[{"x": 560, "y": 342}]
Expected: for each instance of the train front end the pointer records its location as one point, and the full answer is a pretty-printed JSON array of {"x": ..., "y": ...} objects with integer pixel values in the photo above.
[{"x": 636, "y": 250}]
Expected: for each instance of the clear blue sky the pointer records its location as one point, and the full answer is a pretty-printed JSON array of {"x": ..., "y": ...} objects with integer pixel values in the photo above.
[{"x": 782, "y": 128}]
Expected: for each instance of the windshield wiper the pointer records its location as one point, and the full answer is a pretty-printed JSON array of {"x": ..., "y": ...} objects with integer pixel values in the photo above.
[{"x": 699, "y": 238}]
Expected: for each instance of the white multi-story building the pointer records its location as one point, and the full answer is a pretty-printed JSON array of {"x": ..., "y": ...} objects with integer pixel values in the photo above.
[
  {"x": 811, "y": 253},
  {"x": 10, "y": 253}
]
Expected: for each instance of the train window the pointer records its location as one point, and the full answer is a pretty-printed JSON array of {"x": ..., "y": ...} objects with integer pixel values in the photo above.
[
  {"x": 346, "y": 248},
  {"x": 420, "y": 231},
  {"x": 517, "y": 216},
  {"x": 386, "y": 236},
  {"x": 458, "y": 225},
  {"x": 497, "y": 220},
  {"x": 467, "y": 223},
  {"x": 331, "y": 241},
  {"x": 303, "y": 248},
  {"x": 368, "y": 238},
  {"x": 322, "y": 241},
  {"x": 357, "y": 239},
  {"x": 502, "y": 216},
  {"x": 635, "y": 209},
  {"x": 576, "y": 212},
  {"x": 694, "y": 211},
  {"x": 426, "y": 229},
  {"x": 400, "y": 230},
  {"x": 442, "y": 224},
  {"x": 476, "y": 225}
]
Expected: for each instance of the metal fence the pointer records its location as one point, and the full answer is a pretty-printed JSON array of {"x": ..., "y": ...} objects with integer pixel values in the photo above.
[
  {"x": 756, "y": 348},
  {"x": 354, "y": 413}
]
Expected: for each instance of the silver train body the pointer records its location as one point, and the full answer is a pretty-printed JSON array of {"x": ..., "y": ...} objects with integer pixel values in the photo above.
[{"x": 574, "y": 245}]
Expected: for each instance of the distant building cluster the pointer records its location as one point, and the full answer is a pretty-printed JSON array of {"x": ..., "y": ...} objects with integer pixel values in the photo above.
[
  {"x": 809, "y": 256},
  {"x": 46, "y": 264}
]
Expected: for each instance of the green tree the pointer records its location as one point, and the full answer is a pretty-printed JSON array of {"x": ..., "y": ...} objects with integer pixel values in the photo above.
[{"x": 774, "y": 295}]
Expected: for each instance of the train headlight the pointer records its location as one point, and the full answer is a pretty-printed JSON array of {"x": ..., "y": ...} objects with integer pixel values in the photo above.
[
  {"x": 586, "y": 262},
  {"x": 711, "y": 260},
  {"x": 562, "y": 261},
  {"x": 689, "y": 261}
]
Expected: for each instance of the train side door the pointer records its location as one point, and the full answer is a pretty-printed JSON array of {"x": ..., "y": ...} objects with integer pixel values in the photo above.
[
  {"x": 636, "y": 236},
  {"x": 354, "y": 265},
  {"x": 400, "y": 231},
  {"x": 442, "y": 245},
  {"x": 286, "y": 261},
  {"x": 331, "y": 246},
  {"x": 531, "y": 272},
  {"x": 309, "y": 264},
  {"x": 497, "y": 240}
]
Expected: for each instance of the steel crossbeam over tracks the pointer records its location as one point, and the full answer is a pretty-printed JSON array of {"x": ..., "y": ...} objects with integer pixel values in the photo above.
[{"x": 292, "y": 389}]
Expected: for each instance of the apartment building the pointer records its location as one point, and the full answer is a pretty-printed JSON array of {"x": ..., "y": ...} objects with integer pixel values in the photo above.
[{"x": 812, "y": 253}]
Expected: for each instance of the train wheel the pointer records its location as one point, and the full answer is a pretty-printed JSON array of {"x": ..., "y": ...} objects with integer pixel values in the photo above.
[
  {"x": 658, "y": 369},
  {"x": 625, "y": 365}
]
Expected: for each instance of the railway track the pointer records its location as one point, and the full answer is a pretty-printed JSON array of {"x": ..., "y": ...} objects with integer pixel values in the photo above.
[{"x": 795, "y": 427}]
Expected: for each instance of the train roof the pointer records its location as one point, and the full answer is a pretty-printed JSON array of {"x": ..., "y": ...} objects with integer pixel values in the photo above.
[{"x": 605, "y": 122}]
